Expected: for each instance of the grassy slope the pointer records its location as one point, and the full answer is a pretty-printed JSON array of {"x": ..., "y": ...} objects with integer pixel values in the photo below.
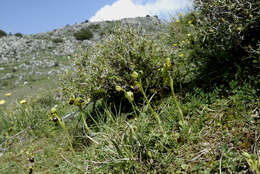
[
  {"x": 219, "y": 130},
  {"x": 32, "y": 81}
]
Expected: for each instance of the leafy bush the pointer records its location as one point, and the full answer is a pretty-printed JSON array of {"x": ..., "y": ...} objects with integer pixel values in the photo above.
[
  {"x": 2, "y": 33},
  {"x": 94, "y": 27},
  {"x": 83, "y": 34},
  {"x": 104, "y": 66},
  {"x": 18, "y": 34},
  {"x": 228, "y": 38},
  {"x": 57, "y": 40},
  {"x": 182, "y": 38}
]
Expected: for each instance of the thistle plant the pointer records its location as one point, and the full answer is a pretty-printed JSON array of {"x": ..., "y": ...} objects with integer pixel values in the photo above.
[{"x": 56, "y": 119}]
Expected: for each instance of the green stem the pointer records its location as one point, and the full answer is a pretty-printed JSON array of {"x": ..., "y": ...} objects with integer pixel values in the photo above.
[
  {"x": 62, "y": 124},
  {"x": 175, "y": 99},
  {"x": 156, "y": 116},
  {"x": 84, "y": 120},
  {"x": 133, "y": 108}
]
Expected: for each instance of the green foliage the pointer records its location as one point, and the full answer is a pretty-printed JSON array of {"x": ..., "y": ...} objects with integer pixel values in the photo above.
[
  {"x": 58, "y": 40},
  {"x": 122, "y": 53},
  {"x": 94, "y": 27},
  {"x": 18, "y": 34},
  {"x": 83, "y": 34},
  {"x": 199, "y": 130},
  {"x": 219, "y": 137},
  {"x": 2, "y": 33},
  {"x": 182, "y": 38},
  {"x": 228, "y": 35}
]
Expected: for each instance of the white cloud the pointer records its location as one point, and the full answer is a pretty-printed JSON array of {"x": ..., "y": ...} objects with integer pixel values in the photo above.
[{"x": 133, "y": 8}]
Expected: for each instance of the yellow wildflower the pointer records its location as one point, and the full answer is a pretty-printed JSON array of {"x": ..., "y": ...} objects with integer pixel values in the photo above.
[
  {"x": 181, "y": 55},
  {"x": 2, "y": 102},
  {"x": 180, "y": 15},
  {"x": 174, "y": 44},
  {"x": 177, "y": 21},
  {"x": 189, "y": 35},
  {"x": 8, "y": 94},
  {"x": 190, "y": 22},
  {"x": 22, "y": 101}
]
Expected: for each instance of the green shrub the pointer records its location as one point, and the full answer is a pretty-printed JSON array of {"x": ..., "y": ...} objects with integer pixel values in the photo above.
[
  {"x": 182, "y": 38},
  {"x": 57, "y": 40},
  {"x": 2, "y": 33},
  {"x": 104, "y": 66},
  {"x": 94, "y": 27},
  {"x": 83, "y": 34},
  {"x": 18, "y": 34},
  {"x": 228, "y": 39}
]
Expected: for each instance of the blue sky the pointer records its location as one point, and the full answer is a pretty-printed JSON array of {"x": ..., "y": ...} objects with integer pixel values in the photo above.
[{"x": 35, "y": 16}]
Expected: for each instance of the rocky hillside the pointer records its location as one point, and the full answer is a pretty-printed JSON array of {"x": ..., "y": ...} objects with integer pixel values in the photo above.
[{"x": 28, "y": 58}]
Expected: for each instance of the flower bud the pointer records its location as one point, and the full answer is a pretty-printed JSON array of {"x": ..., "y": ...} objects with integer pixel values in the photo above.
[
  {"x": 53, "y": 110},
  {"x": 134, "y": 75},
  {"x": 130, "y": 96},
  {"x": 168, "y": 63},
  {"x": 119, "y": 89}
]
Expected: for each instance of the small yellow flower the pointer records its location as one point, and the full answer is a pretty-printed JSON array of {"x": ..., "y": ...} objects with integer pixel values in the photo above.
[
  {"x": 180, "y": 15},
  {"x": 177, "y": 21},
  {"x": 2, "y": 102},
  {"x": 181, "y": 55},
  {"x": 8, "y": 94},
  {"x": 190, "y": 22},
  {"x": 175, "y": 45},
  {"x": 22, "y": 101},
  {"x": 189, "y": 35}
]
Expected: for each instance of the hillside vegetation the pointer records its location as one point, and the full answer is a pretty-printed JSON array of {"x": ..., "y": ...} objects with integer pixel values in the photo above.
[{"x": 183, "y": 99}]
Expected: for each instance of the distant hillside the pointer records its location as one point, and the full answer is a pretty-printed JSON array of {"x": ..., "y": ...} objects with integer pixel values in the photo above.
[
  {"x": 27, "y": 58},
  {"x": 61, "y": 41}
]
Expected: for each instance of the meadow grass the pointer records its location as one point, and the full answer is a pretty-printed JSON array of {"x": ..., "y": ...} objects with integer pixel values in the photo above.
[
  {"x": 219, "y": 131},
  {"x": 148, "y": 109}
]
